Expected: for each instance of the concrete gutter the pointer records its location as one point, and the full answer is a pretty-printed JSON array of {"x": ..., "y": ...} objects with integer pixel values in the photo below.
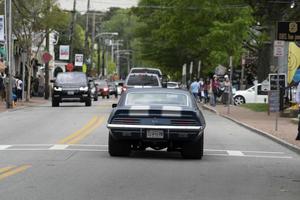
[{"x": 292, "y": 147}]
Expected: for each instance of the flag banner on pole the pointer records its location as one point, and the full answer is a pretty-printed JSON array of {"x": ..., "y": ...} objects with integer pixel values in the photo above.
[{"x": 293, "y": 63}]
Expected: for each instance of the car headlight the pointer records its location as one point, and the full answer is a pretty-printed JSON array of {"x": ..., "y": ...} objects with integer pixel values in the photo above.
[
  {"x": 84, "y": 88},
  {"x": 56, "y": 88}
]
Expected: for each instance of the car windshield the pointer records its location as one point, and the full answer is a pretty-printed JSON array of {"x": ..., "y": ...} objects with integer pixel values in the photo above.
[
  {"x": 134, "y": 99},
  {"x": 151, "y": 71},
  {"x": 71, "y": 78},
  {"x": 142, "y": 80}
]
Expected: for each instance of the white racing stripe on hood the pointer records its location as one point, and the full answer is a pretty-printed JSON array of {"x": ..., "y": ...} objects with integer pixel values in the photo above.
[
  {"x": 139, "y": 108},
  {"x": 172, "y": 108}
]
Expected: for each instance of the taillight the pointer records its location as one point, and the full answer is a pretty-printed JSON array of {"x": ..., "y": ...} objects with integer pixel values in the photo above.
[{"x": 124, "y": 89}]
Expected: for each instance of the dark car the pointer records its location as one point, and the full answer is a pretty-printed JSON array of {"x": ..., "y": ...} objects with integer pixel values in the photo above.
[
  {"x": 94, "y": 90},
  {"x": 71, "y": 87},
  {"x": 103, "y": 88},
  {"x": 158, "y": 118},
  {"x": 113, "y": 89}
]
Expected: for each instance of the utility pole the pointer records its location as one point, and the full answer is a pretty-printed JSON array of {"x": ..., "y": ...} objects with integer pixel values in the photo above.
[
  {"x": 86, "y": 45},
  {"x": 93, "y": 41},
  {"x": 8, "y": 29},
  {"x": 71, "y": 58},
  {"x": 47, "y": 63}
]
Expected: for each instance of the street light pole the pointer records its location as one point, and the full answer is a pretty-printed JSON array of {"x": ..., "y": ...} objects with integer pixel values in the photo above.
[
  {"x": 86, "y": 51},
  {"x": 8, "y": 30}
]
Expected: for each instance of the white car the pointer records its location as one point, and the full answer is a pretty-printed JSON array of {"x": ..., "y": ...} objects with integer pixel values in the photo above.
[
  {"x": 250, "y": 95},
  {"x": 173, "y": 85}
]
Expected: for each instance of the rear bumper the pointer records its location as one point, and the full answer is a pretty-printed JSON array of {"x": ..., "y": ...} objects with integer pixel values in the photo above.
[{"x": 170, "y": 133}]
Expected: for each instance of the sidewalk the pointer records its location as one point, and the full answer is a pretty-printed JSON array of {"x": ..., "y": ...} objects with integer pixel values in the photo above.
[
  {"x": 262, "y": 123},
  {"x": 34, "y": 101}
]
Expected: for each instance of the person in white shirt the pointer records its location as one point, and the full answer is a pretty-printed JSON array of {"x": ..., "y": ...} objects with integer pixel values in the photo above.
[
  {"x": 298, "y": 102},
  {"x": 19, "y": 85}
]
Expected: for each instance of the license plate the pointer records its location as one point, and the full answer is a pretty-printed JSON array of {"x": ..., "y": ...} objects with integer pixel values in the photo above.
[
  {"x": 70, "y": 92},
  {"x": 158, "y": 134}
]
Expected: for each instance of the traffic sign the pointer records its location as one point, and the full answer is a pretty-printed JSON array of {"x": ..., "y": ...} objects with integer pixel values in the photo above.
[{"x": 278, "y": 48}]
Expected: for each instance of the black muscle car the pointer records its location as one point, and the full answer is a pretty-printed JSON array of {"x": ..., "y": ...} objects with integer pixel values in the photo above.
[{"x": 158, "y": 118}]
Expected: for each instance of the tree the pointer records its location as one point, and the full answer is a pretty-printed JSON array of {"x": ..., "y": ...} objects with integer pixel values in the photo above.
[{"x": 32, "y": 21}]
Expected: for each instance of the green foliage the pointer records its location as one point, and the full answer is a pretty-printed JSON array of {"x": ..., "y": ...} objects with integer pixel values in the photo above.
[{"x": 257, "y": 107}]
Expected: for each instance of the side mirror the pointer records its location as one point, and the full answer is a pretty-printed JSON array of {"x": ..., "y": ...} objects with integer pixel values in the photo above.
[{"x": 114, "y": 105}]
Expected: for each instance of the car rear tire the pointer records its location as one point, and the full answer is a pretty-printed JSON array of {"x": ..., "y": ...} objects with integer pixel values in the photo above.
[
  {"x": 118, "y": 147},
  {"x": 55, "y": 103},
  {"x": 238, "y": 100},
  {"x": 193, "y": 150},
  {"x": 88, "y": 102}
]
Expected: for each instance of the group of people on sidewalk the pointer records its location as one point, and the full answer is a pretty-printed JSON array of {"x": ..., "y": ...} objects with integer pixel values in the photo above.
[
  {"x": 211, "y": 89},
  {"x": 17, "y": 88}
]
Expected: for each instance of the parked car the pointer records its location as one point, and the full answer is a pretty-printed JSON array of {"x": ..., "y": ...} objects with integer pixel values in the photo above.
[
  {"x": 158, "y": 118},
  {"x": 71, "y": 87},
  {"x": 254, "y": 94},
  {"x": 142, "y": 80},
  {"x": 102, "y": 87},
  {"x": 94, "y": 91}
]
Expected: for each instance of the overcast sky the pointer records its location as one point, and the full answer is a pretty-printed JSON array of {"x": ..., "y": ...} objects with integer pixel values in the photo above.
[{"x": 81, "y": 5}]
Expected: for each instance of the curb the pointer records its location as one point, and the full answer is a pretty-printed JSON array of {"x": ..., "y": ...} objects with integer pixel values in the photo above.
[{"x": 292, "y": 147}]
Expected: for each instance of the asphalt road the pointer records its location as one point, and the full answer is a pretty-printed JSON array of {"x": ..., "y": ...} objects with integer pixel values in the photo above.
[{"x": 61, "y": 153}]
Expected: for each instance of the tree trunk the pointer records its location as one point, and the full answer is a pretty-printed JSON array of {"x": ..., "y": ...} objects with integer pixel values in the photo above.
[{"x": 29, "y": 69}]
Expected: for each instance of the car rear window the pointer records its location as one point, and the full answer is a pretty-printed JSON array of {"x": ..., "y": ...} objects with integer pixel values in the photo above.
[
  {"x": 71, "y": 78},
  {"x": 151, "y": 71},
  {"x": 142, "y": 80},
  {"x": 135, "y": 99}
]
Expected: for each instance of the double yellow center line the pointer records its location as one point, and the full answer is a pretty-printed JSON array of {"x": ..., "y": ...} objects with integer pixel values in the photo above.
[
  {"x": 77, "y": 136},
  {"x": 12, "y": 170}
]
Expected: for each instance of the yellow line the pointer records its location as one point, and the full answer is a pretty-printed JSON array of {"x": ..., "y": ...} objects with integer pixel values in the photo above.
[
  {"x": 87, "y": 131},
  {"x": 14, "y": 171},
  {"x": 75, "y": 134},
  {"x": 4, "y": 169}
]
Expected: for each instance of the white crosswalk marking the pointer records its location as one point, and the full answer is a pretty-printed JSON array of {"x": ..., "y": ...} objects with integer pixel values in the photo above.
[
  {"x": 3, "y": 147},
  {"x": 235, "y": 153},
  {"x": 59, "y": 147}
]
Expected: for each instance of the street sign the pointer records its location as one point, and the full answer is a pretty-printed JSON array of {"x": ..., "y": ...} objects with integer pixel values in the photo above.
[
  {"x": 274, "y": 101},
  {"x": 278, "y": 48},
  {"x": 47, "y": 57},
  {"x": 69, "y": 67},
  {"x": 288, "y": 31},
  {"x": 78, "y": 60},
  {"x": 273, "y": 81},
  {"x": 64, "y": 51},
  {"x": 2, "y": 28}
]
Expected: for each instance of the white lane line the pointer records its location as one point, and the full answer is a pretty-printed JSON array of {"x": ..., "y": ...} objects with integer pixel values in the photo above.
[
  {"x": 3, "y": 147},
  {"x": 250, "y": 156},
  {"x": 235, "y": 153},
  {"x": 59, "y": 147}
]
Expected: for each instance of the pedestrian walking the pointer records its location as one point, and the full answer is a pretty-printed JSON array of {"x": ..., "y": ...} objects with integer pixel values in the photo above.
[
  {"x": 298, "y": 102},
  {"x": 2, "y": 87},
  {"x": 206, "y": 87},
  {"x": 226, "y": 92},
  {"x": 215, "y": 90},
  {"x": 19, "y": 86},
  {"x": 195, "y": 88},
  {"x": 201, "y": 92}
]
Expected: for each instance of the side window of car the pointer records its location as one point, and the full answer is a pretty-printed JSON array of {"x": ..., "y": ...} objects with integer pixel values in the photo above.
[{"x": 261, "y": 92}]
